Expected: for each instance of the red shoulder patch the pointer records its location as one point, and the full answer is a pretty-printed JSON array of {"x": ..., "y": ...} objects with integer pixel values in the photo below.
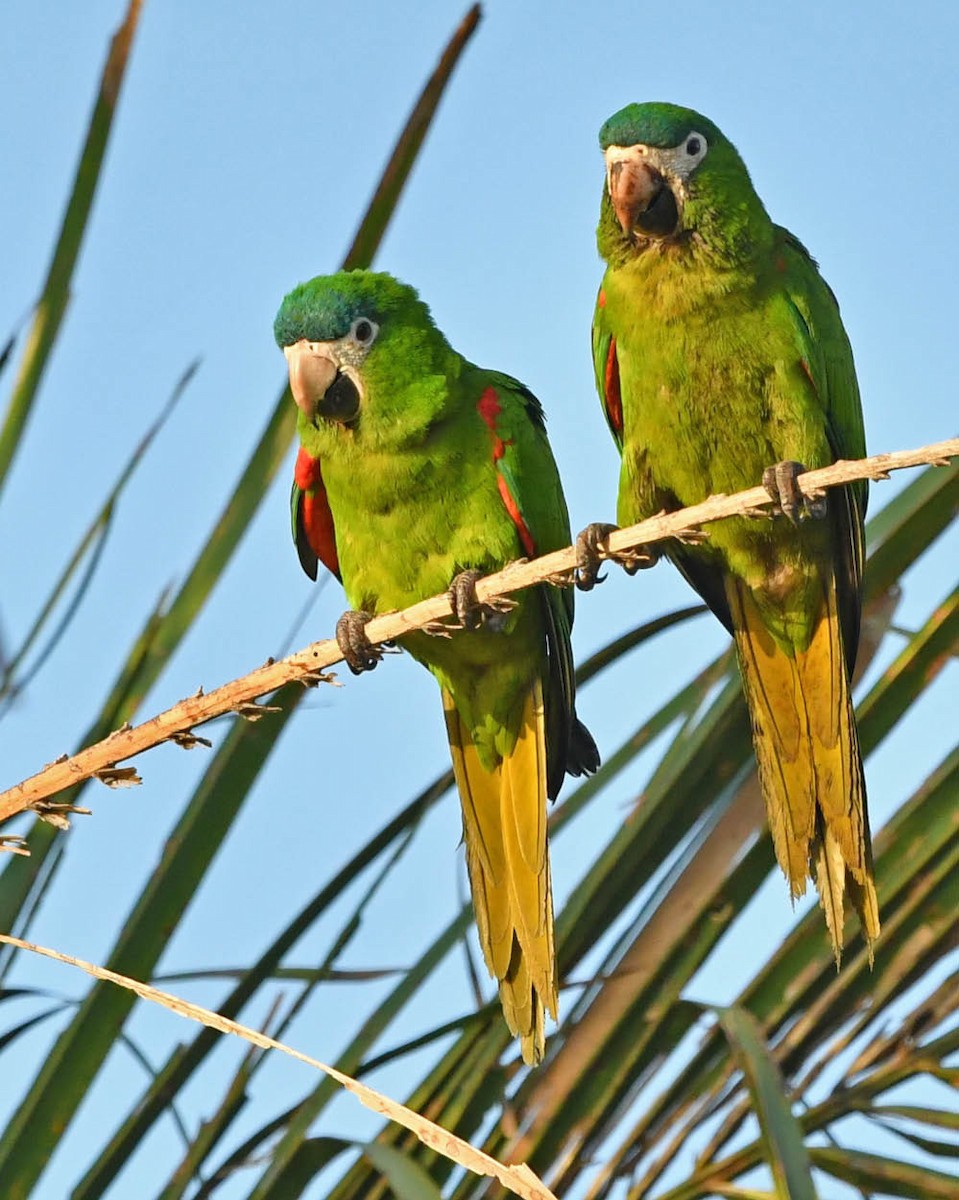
[
  {"x": 601, "y": 299},
  {"x": 315, "y": 513},
  {"x": 489, "y": 408},
  {"x": 529, "y": 545},
  {"x": 307, "y": 471},
  {"x": 612, "y": 396}
]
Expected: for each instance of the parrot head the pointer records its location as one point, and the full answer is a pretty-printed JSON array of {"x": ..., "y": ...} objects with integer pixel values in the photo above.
[
  {"x": 353, "y": 343},
  {"x": 673, "y": 178}
]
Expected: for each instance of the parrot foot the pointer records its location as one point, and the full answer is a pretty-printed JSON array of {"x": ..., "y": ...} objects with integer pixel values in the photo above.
[
  {"x": 693, "y": 536},
  {"x": 437, "y": 629},
  {"x": 781, "y": 482},
  {"x": 639, "y": 559},
  {"x": 358, "y": 651},
  {"x": 591, "y": 551},
  {"x": 467, "y": 609}
]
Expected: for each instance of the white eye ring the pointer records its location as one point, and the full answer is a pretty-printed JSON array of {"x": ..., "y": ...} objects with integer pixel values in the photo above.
[
  {"x": 363, "y": 331},
  {"x": 694, "y": 147}
]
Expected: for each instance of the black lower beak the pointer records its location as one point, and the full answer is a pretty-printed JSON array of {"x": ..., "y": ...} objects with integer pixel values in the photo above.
[
  {"x": 341, "y": 402},
  {"x": 661, "y": 216}
]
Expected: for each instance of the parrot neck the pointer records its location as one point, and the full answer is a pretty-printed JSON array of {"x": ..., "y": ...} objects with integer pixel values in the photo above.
[
  {"x": 735, "y": 236},
  {"x": 672, "y": 286},
  {"x": 739, "y": 238}
]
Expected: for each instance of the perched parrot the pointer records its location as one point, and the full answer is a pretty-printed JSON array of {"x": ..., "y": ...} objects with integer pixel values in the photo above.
[
  {"x": 417, "y": 473},
  {"x": 719, "y": 350}
]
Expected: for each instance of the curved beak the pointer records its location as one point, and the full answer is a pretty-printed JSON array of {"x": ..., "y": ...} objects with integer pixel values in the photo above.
[
  {"x": 633, "y": 182},
  {"x": 312, "y": 370}
]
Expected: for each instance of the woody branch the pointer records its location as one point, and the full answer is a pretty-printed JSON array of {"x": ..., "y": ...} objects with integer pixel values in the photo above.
[{"x": 308, "y": 666}]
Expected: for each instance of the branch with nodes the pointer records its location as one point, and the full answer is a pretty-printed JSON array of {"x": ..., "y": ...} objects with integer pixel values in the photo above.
[{"x": 308, "y": 666}]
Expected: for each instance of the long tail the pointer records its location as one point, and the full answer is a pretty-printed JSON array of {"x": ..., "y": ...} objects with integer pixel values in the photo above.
[
  {"x": 504, "y": 828},
  {"x": 810, "y": 768}
]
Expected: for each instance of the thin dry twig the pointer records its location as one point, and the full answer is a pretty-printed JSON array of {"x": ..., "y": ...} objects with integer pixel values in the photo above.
[
  {"x": 308, "y": 666},
  {"x": 518, "y": 1179}
]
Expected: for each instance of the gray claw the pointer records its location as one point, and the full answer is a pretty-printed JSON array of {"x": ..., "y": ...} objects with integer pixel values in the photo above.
[
  {"x": 468, "y": 610},
  {"x": 462, "y": 595},
  {"x": 590, "y": 553},
  {"x": 358, "y": 651},
  {"x": 638, "y": 560},
  {"x": 781, "y": 482}
]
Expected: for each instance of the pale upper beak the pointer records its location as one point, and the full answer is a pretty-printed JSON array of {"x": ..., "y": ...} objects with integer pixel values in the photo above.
[
  {"x": 312, "y": 370},
  {"x": 633, "y": 181}
]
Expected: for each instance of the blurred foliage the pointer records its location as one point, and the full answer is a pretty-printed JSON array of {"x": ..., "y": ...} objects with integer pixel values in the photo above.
[{"x": 645, "y": 1091}]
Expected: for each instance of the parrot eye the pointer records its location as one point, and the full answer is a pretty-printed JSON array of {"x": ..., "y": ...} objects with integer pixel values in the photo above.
[
  {"x": 364, "y": 331},
  {"x": 695, "y": 147}
]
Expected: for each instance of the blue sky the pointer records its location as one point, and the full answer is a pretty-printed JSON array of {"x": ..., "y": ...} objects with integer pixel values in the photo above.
[{"x": 249, "y": 137}]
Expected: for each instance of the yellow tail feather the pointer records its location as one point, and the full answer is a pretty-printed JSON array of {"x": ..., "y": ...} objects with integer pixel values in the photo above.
[
  {"x": 504, "y": 828},
  {"x": 810, "y": 769}
]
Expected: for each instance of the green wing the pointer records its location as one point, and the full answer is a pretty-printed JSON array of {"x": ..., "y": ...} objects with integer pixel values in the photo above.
[
  {"x": 606, "y": 368},
  {"x": 828, "y": 359},
  {"x": 824, "y": 338},
  {"x": 531, "y": 490}
]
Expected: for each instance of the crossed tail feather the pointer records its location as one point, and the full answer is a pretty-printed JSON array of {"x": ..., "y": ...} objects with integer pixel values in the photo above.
[
  {"x": 504, "y": 828},
  {"x": 810, "y": 768}
]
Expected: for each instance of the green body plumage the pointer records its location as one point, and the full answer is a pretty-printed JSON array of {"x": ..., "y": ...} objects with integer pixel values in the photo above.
[
  {"x": 719, "y": 350},
  {"x": 438, "y": 466}
]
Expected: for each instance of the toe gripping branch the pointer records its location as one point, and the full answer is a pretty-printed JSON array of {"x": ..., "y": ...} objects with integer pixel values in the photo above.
[
  {"x": 781, "y": 481},
  {"x": 592, "y": 550},
  {"x": 359, "y": 652},
  {"x": 468, "y": 610}
]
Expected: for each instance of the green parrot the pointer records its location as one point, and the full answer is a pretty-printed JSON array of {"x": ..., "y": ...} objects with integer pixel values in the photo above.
[
  {"x": 719, "y": 350},
  {"x": 418, "y": 472}
]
